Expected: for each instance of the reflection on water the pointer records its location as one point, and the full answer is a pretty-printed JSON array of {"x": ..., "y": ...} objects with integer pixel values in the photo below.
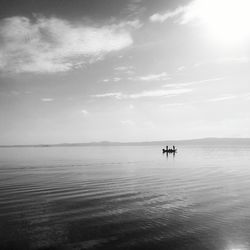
[{"x": 125, "y": 198}]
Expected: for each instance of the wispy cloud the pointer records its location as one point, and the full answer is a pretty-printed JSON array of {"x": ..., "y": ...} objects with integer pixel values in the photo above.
[
  {"x": 222, "y": 98},
  {"x": 151, "y": 77},
  {"x": 123, "y": 68},
  {"x": 155, "y": 77},
  {"x": 135, "y": 8},
  {"x": 117, "y": 95},
  {"x": 117, "y": 79},
  {"x": 85, "y": 112},
  {"x": 114, "y": 79},
  {"x": 47, "y": 99},
  {"x": 182, "y": 14},
  {"x": 184, "y": 84},
  {"x": 145, "y": 94},
  {"x": 54, "y": 45},
  {"x": 181, "y": 68},
  {"x": 157, "y": 17},
  {"x": 159, "y": 93}
]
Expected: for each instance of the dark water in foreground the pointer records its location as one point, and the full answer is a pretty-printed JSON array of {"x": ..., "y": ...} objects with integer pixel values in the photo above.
[{"x": 125, "y": 198}]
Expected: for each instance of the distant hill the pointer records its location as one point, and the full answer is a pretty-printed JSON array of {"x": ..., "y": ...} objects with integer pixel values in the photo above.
[{"x": 210, "y": 140}]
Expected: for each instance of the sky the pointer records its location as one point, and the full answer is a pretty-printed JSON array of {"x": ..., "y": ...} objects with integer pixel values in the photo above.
[{"x": 123, "y": 70}]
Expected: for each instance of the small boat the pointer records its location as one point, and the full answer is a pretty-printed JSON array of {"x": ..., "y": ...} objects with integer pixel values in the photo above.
[{"x": 169, "y": 150}]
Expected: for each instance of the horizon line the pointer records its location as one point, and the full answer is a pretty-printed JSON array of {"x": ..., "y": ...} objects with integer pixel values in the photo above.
[{"x": 105, "y": 142}]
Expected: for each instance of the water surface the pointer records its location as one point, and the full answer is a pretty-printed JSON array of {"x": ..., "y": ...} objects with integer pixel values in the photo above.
[{"x": 127, "y": 197}]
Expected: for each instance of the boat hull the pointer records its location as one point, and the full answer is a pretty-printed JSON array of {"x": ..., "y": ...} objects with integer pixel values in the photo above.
[{"x": 169, "y": 150}]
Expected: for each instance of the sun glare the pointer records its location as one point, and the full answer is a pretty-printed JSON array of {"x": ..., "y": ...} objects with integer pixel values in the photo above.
[{"x": 226, "y": 20}]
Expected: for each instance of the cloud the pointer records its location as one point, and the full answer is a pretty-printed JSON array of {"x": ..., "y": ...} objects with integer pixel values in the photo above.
[
  {"x": 222, "y": 98},
  {"x": 184, "y": 84},
  {"x": 114, "y": 79},
  {"x": 151, "y": 77},
  {"x": 117, "y": 95},
  {"x": 124, "y": 68},
  {"x": 47, "y": 99},
  {"x": 85, "y": 112},
  {"x": 117, "y": 79},
  {"x": 181, "y": 68},
  {"x": 154, "y": 77},
  {"x": 159, "y": 93},
  {"x": 145, "y": 94},
  {"x": 157, "y": 17},
  {"x": 135, "y": 8},
  {"x": 48, "y": 45}
]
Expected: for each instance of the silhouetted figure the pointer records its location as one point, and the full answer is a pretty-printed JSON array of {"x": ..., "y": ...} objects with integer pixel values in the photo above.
[{"x": 169, "y": 150}]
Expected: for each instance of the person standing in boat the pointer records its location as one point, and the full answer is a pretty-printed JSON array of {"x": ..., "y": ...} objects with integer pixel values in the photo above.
[{"x": 173, "y": 147}]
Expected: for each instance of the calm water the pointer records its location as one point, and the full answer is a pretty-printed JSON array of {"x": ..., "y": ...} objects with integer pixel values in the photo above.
[{"x": 125, "y": 198}]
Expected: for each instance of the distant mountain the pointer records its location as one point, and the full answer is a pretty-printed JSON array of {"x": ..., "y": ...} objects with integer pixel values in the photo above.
[{"x": 210, "y": 140}]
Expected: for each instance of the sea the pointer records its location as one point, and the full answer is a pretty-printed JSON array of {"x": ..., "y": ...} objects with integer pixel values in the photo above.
[{"x": 125, "y": 197}]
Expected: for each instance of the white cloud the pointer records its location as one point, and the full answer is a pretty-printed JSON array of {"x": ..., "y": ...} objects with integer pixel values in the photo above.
[
  {"x": 181, "y": 68},
  {"x": 157, "y": 17},
  {"x": 47, "y": 99},
  {"x": 134, "y": 23},
  {"x": 129, "y": 70},
  {"x": 159, "y": 93},
  {"x": 145, "y": 94},
  {"x": 183, "y": 84},
  {"x": 117, "y": 95},
  {"x": 151, "y": 77},
  {"x": 117, "y": 79},
  {"x": 85, "y": 112},
  {"x": 222, "y": 98},
  {"x": 123, "y": 68},
  {"x": 114, "y": 79},
  {"x": 155, "y": 77},
  {"x": 54, "y": 45}
]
